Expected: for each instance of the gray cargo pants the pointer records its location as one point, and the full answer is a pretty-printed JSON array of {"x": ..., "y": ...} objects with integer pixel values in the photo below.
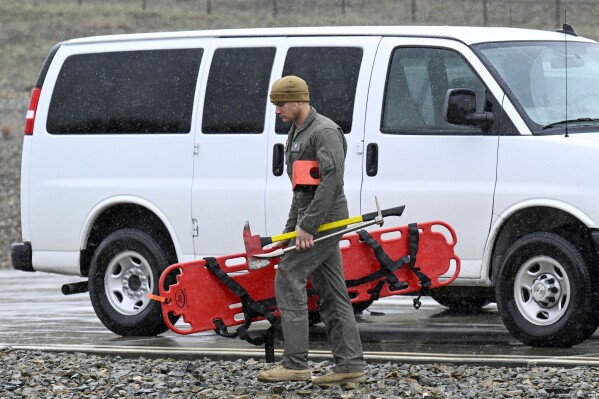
[{"x": 323, "y": 265}]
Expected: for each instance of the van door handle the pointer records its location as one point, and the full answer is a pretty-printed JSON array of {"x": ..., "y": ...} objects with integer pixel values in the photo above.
[
  {"x": 372, "y": 159},
  {"x": 278, "y": 158}
]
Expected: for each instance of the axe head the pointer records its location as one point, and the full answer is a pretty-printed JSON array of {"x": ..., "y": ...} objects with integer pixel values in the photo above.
[{"x": 253, "y": 246}]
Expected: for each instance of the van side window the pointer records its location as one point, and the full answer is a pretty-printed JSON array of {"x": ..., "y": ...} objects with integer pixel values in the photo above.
[
  {"x": 332, "y": 76},
  {"x": 125, "y": 92},
  {"x": 417, "y": 83},
  {"x": 237, "y": 90}
]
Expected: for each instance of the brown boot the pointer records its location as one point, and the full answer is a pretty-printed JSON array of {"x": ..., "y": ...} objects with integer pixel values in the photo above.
[
  {"x": 280, "y": 373},
  {"x": 339, "y": 379}
]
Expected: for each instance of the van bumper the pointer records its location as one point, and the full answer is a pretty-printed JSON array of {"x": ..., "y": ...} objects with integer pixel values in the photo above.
[{"x": 20, "y": 254}]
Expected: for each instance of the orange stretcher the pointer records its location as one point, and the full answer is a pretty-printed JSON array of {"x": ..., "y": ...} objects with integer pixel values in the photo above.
[{"x": 220, "y": 292}]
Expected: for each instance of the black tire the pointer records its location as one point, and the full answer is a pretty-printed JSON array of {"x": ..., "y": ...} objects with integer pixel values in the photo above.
[
  {"x": 459, "y": 303},
  {"x": 125, "y": 267},
  {"x": 545, "y": 292}
]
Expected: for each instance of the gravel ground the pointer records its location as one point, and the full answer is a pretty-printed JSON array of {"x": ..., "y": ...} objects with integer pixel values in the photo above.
[
  {"x": 10, "y": 176},
  {"x": 34, "y": 374}
]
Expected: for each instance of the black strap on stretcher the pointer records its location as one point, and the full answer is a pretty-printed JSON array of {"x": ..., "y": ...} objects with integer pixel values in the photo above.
[
  {"x": 388, "y": 266},
  {"x": 251, "y": 309},
  {"x": 425, "y": 282}
]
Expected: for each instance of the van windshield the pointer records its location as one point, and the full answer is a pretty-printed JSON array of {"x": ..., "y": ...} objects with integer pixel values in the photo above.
[{"x": 534, "y": 75}]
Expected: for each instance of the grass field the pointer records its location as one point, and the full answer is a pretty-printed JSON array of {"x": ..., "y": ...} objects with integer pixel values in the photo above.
[{"x": 29, "y": 28}]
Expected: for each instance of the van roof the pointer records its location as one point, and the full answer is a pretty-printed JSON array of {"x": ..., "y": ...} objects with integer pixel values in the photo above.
[{"x": 467, "y": 35}]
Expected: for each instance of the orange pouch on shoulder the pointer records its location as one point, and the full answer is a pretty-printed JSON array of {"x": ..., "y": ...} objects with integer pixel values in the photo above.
[{"x": 305, "y": 173}]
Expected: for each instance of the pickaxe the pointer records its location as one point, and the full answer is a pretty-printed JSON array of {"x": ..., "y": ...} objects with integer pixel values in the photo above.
[{"x": 258, "y": 258}]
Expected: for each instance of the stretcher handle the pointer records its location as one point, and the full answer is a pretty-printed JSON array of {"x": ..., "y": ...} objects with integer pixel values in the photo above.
[{"x": 397, "y": 211}]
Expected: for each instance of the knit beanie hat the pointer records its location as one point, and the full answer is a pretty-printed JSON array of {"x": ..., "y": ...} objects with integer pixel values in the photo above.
[{"x": 289, "y": 88}]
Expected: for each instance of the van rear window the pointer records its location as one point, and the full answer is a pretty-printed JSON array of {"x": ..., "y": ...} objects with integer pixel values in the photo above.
[
  {"x": 129, "y": 92},
  {"x": 237, "y": 90}
]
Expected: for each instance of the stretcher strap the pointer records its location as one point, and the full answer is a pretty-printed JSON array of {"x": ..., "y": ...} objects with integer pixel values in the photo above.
[
  {"x": 387, "y": 269},
  {"x": 388, "y": 266},
  {"x": 251, "y": 309},
  {"x": 413, "y": 238},
  {"x": 425, "y": 282}
]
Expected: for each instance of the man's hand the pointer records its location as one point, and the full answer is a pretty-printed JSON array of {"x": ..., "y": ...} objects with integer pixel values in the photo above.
[{"x": 303, "y": 240}]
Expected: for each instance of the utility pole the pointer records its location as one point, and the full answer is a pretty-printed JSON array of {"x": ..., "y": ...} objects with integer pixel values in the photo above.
[
  {"x": 485, "y": 13},
  {"x": 558, "y": 8}
]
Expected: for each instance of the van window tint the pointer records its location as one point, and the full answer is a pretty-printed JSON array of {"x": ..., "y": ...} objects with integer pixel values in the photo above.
[
  {"x": 125, "y": 92},
  {"x": 332, "y": 76},
  {"x": 417, "y": 83},
  {"x": 237, "y": 90}
]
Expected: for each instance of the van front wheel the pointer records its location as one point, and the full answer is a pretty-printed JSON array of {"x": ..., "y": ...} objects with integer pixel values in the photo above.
[
  {"x": 544, "y": 292},
  {"x": 124, "y": 269}
]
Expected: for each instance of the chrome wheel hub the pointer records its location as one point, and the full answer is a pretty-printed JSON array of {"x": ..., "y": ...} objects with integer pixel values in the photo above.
[
  {"x": 127, "y": 282},
  {"x": 546, "y": 290},
  {"x": 542, "y": 290}
]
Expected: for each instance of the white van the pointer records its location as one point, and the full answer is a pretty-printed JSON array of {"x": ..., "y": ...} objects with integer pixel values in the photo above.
[{"x": 145, "y": 150}]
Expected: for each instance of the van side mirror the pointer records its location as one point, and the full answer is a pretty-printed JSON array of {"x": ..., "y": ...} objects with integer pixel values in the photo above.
[{"x": 460, "y": 109}]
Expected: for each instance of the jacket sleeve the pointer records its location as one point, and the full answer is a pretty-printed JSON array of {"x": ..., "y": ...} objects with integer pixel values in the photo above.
[
  {"x": 292, "y": 218},
  {"x": 330, "y": 154}
]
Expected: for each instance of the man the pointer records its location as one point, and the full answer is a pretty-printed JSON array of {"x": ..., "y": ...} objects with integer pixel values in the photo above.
[{"x": 313, "y": 137}]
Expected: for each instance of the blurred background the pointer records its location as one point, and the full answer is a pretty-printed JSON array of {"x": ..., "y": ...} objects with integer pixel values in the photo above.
[{"x": 29, "y": 29}]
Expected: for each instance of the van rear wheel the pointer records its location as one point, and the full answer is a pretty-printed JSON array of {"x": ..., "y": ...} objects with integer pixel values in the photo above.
[
  {"x": 124, "y": 269},
  {"x": 545, "y": 293}
]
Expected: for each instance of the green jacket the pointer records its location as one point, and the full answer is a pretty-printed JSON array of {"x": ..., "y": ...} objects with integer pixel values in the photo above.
[{"x": 322, "y": 140}]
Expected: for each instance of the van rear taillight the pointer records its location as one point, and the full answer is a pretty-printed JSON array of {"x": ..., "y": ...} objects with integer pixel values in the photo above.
[{"x": 30, "y": 118}]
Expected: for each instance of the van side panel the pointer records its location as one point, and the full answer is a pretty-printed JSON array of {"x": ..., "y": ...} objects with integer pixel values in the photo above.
[
  {"x": 555, "y": 185},
  {"x": 230, "y": 166},
  {"x": 338, "y": 70},
  {"x": 72, "y": 171},
  {"x": 26, "y": 153}
]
